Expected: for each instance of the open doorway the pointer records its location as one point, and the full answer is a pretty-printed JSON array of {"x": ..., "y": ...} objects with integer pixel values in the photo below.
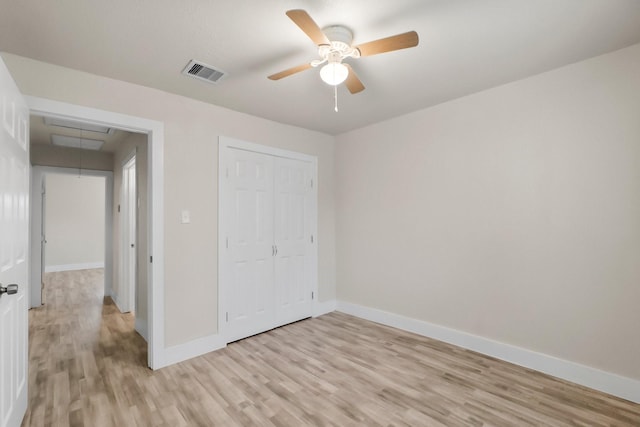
[
  {"x": 64, "y": 190},
  {"x": 73, "y": 222},
  {"x": 154, "y": 266}
]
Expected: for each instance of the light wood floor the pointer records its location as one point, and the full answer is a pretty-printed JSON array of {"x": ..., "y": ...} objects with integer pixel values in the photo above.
[{"x": 87, "y": 368}]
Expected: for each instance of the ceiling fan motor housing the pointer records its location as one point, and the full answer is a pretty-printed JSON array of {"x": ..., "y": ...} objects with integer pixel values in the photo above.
[
  {"x": 338, "y": 33},
  {"x": 340, "y": 38}
]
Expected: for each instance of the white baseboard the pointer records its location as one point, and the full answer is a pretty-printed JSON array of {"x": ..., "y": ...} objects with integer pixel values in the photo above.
[
  {"x": 616, "y": 385},
  {"x": 141, "y": 328},
  {"x": 191, "y": 349},
  {"x": 69, "y": 267},
  {"x": 324, "y": 307}
]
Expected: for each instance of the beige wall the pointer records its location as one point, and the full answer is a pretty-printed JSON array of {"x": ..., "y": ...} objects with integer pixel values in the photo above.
[
  {"x": 74, "y": 220},
  {"x": 190, "y": 170},
  {"x": 134, "y": 143},
  {"x": 513, "y": 214}
]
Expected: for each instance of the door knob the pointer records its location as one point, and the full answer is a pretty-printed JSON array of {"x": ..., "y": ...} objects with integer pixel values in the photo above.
[{"x": 9, "y": 290}]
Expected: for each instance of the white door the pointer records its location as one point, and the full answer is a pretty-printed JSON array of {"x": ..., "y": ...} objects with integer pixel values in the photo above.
[
  {"x": 251, "y": 249},
  {"x": 14, "y": 242},
  {"x": 267, "y": 262},
  {"x": 128, "y": 224},
  {"x": 293, "y": 240}
]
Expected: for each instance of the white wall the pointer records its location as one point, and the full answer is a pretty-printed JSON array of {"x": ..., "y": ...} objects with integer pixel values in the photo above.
[
  {"x": 190, "y": 153},
  {"x": 74, "y": 222},
  {"x": 512, "y": 214}
]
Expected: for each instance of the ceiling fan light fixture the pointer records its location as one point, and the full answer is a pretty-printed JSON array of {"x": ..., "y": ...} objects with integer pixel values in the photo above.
[
  {"x": 334, "y": 73},
  {"x": 335, "y": 45}
]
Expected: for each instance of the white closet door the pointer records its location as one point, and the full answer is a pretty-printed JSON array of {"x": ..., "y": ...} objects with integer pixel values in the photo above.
[
  {"x": 250, "y": 290},
  {"x": 293, "y": 240}
]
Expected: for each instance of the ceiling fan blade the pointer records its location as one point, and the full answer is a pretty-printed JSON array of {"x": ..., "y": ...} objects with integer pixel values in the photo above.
[
  {"x": 289, "y": 71},
  {"x": 353, "y": 83},
  {"x": 388, "y": 44},
  {"x": 302, "y": 19}
]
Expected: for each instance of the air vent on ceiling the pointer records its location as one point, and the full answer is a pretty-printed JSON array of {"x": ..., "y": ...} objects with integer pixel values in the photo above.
[{"x": 202, "y": 71}]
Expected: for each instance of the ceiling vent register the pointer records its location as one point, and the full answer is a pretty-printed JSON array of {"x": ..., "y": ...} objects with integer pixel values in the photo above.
[{"x": 204, "y": 72}]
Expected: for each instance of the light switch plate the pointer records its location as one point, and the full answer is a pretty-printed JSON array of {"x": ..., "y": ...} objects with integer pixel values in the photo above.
[{"x": 185, "y": 218}]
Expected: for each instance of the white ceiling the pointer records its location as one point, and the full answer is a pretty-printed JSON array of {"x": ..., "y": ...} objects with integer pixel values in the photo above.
[{"x": 465, "y": 46}]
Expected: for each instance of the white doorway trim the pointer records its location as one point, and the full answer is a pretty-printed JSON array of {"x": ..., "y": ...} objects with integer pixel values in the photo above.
[
  {"x": 155, "y": 131},
  {"x": 225, "y": 145},
  {"x": 38, "y": 174}
]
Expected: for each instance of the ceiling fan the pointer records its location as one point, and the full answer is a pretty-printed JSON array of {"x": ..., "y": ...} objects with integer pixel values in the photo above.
[{"x": 334, "y": 45}]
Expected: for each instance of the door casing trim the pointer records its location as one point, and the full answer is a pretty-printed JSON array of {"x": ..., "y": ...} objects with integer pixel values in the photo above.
[{"x": 155, "y": 221}]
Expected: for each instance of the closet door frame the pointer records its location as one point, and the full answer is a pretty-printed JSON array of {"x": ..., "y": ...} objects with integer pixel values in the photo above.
[{"x": 225, "y": 144}]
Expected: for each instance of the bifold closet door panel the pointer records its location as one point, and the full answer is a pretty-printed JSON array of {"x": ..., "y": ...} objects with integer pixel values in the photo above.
[
  {"x": 250, "y": 303},
  {"x": 292, "y": 239}
]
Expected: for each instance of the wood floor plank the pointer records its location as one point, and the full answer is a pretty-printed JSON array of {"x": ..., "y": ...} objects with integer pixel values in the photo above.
[{"x": 88, "y": 368}]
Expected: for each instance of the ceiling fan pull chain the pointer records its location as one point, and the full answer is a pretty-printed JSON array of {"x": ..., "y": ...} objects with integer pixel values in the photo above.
[{"x": 335, "y": 98}]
